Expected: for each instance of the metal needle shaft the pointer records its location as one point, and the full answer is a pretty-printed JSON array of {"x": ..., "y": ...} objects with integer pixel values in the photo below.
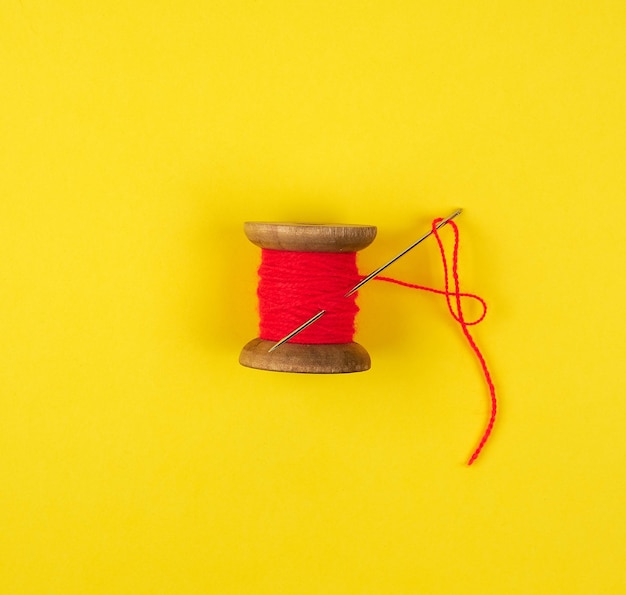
[{"x": 367, "y": 279}]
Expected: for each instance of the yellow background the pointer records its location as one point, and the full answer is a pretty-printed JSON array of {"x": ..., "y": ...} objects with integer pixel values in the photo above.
[{"x": 138, "y": 457}]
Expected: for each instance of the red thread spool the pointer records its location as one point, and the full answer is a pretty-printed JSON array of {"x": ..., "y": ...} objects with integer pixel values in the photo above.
[{"x": 288, "y": 250}]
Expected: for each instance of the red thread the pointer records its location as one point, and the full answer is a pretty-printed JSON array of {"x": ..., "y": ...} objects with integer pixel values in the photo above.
[
  {"x": 459, "y": 316},
  {"x": 293, "y": 286},
  {"x": 472, "y": 296}
]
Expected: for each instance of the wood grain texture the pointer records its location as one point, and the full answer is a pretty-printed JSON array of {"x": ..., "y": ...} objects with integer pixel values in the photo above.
[
  {"x": 308, "y": 237},
  {"x": 307, "y": 359}
]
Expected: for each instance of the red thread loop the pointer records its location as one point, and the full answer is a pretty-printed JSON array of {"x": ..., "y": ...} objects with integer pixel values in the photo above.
[
  {"x": 459, "y": 317},
  {"x": 457, "y": 313}
]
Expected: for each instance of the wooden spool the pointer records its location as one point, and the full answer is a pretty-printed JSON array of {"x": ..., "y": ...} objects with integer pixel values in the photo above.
[{"x": 295, "y": 357}]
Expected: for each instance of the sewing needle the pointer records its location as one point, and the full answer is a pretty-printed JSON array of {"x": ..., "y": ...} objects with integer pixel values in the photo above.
[{"x": 367, "y": 279}]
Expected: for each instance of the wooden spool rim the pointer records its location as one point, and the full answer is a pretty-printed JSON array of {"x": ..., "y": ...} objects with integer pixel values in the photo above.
[
  {"x": 310, "y": 237},
  {"x": 306, "y": 359}
]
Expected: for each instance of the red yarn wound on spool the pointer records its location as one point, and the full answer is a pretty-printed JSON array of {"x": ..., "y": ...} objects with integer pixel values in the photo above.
[{"x": 293, "y": 286}]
